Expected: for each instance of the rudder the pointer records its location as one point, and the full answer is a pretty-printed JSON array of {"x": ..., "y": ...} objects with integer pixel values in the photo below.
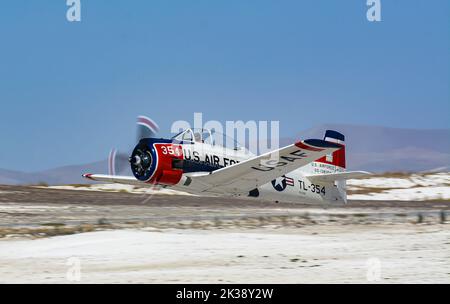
[{"x": 334, "y": 162}]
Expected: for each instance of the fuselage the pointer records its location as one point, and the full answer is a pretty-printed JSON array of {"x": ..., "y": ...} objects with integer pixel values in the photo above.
[{"x": 191, "y": 157}]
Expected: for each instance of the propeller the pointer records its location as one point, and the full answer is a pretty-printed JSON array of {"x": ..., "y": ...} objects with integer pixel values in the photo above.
[
  {"x": 146, "y": 128},
  {"x": 118, "y": 162}
]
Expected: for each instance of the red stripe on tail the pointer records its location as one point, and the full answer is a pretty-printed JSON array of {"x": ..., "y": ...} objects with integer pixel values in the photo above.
[{"x": 337, "y": 158}]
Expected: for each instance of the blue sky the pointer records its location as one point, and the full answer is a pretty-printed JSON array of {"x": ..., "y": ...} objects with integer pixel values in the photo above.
[{"x": 71, "y": 91}]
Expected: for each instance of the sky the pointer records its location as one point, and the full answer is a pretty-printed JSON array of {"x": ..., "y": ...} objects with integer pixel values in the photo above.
[{"x": 70, "y": 91}]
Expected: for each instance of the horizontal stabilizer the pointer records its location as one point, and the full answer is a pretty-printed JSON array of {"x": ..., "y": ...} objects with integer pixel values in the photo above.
[{"x": 331, "y": 177}]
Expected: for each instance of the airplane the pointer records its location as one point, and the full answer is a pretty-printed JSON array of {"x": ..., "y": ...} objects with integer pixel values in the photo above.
[{"x": 196, "y": 161}]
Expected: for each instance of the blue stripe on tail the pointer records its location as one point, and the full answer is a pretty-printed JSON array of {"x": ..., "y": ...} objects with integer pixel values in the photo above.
[{"x": 335, "y": 135}]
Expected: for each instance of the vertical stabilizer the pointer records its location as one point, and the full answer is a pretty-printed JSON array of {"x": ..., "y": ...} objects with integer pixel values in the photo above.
[{"x": 333, "y": 163}]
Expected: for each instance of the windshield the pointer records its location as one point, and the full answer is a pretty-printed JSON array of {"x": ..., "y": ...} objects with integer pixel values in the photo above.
[{"x": 207, "y": 136}]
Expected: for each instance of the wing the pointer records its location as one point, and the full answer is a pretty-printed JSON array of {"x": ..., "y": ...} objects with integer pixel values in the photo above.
[
  {"x": 128, "y": 180},
  {"x": 247, "y": 175}
]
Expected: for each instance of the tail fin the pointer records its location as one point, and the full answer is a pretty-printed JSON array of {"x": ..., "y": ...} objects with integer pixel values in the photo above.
[
  {"x": 331, "y": 168},
  {"x": 334, "y": 162}
]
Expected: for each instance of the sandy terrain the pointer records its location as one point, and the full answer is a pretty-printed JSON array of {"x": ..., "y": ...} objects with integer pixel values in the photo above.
[
  {"x": 418, "y": 254},
  {"x": 125, "y": 237},
  {"x": 401, "y": 187}
]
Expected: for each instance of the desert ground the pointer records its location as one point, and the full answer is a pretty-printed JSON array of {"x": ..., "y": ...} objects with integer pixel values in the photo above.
[{"x": 122, "y": 237}]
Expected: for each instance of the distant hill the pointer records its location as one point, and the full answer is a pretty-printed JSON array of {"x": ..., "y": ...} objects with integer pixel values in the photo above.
[
  {"x": 57, "y": 176},
  {"x": 372, "y": 148}
]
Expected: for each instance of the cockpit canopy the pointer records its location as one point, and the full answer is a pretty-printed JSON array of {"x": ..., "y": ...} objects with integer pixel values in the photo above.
[{"x": 207, "y": 136}]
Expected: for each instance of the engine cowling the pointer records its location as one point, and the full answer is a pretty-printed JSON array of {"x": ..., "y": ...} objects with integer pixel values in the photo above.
[{"x": 157, "y": 162}]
